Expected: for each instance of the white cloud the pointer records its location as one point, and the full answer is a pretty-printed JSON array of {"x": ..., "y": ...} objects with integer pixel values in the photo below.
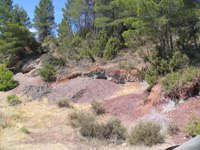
[{"x": 32, "y": 30}]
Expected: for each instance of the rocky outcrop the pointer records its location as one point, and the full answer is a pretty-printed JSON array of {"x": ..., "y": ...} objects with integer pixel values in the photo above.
[
  {"x": 112, "y": 74},
  {"x": 72, "y": 75},
  {"x": 185, "y": 92}
]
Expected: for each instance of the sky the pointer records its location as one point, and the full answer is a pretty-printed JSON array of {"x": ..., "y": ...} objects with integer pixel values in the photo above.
[{"x": 29, "y": 6}]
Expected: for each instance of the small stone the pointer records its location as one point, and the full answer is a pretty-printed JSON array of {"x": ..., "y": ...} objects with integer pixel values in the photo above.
[{"x": 124, "y": 144}]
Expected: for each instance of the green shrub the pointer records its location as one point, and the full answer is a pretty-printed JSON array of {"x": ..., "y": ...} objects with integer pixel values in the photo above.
[
  {"x": 24, "y": 130},
  {"x": 98, "y": 107},
  {"x": 64, "y": 102},
  {"x": 89, "y": 127},
  {"x": 6, "y": 79},
  {"x": 151, "y": 77},
  {"x": 13, "y": 99},
  {"x": 56, "y": 61},
  {"x": 146, "y": 133},
  {"x": 79, "y": 118},
  {"x": 171, "y": 80},
  {"x": 193, "y": 126},
  {"x": 100, "y": 43},
  {"x": 114, "y": 129},
  {"x": 47, "y": 72},
  {"x": 112, "y": 48},
  {"x": 76, "y": 42},
  {"x": 178, "y": 61},
  {"x": 172, "y": 128},
  {"x": 126, "y": 65}
]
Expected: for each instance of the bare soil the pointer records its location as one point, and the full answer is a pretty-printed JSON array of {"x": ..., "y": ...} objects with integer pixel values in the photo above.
[{"x": 84, "y": 90}]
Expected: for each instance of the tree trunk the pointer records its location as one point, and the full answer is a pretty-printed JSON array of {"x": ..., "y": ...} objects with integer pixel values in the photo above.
[
  {"x": 167, "y": 37},
  {"x": 162, "y": 42},
  {"x": 195, "y": 39},
  {"x": 171, "y": 41}
]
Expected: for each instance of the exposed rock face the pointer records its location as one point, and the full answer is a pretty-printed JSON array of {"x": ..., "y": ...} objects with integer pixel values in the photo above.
[
  {"x": 155, "y": 95},
  {"x": 70, "y": 76},
  {"x": 112, "y": 74}
]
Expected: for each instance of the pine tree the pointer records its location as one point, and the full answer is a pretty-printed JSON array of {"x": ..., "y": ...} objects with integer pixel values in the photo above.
[
  {"x": 15, "y": 35},
  {"x": 44, "y": 19},
  {"x": 64, "y": 30}
]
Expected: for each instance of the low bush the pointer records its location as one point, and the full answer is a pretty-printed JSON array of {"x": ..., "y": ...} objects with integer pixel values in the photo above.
[
  {"x": 146, "y": 133},
  {"x": 112, "y": 48},
  {"x": 63, "y": 102},
  {"x": 172, "y": 129},
  {"x": 193, "y": 126},
  {"x": 57, "y": 61},
  {"x": 151, "y": 77},
  {"x": 24, "y": 130},
  {"x": 13, "y": 99},
  {"x": 98, "y": 107},
  {"x": 47, "y": 72},
  {"x": 126, "y": 65},
  {"x": 114, "y": 129},
  {"x": 89, "y": 127},
  {"x": 6, "y": 79},
  {"x": 171, "y": 80},
  {"x": 4, "y": 121},
  {"x": 79, "y": 118}
]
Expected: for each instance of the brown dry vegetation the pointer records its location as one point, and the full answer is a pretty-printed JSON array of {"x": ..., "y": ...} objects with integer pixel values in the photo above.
[{"x": 48, "y": 127}]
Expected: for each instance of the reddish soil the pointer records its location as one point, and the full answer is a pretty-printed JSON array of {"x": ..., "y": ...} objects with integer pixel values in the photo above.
[
  {"x": 182, "y": 115},
  {"x": 24, "y": 81},
  {"x": 83, "y": 90},
  {"x": 126, "y": 107}
]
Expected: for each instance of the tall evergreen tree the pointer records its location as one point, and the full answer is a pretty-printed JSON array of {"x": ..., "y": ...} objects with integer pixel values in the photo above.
[
  {"x": 14, "y": 34},
  {"x": 44, "y": 19}
]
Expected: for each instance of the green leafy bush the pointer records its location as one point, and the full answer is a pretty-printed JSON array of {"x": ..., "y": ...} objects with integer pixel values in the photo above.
[
  {"x": 98, "y": 107},
  {"x": 57, "y": 61},
  {"x": 6, "y": 79},
  {"x": 76, "y": 42},
  {"x": 47, "y": 72},
  {"x": 13, "y": 99},
  {"x": 178, "y": 61},
  {"x": 64, "y": 102},
  {"x": 171, "y": 80},
  {"x": 151, "y": 77},
  {"x": 112, "y": 48},
  {"x": 193, "y": 126},
  {"x": 100, "y": 43},
  {"x": 146, "y": 133}
]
